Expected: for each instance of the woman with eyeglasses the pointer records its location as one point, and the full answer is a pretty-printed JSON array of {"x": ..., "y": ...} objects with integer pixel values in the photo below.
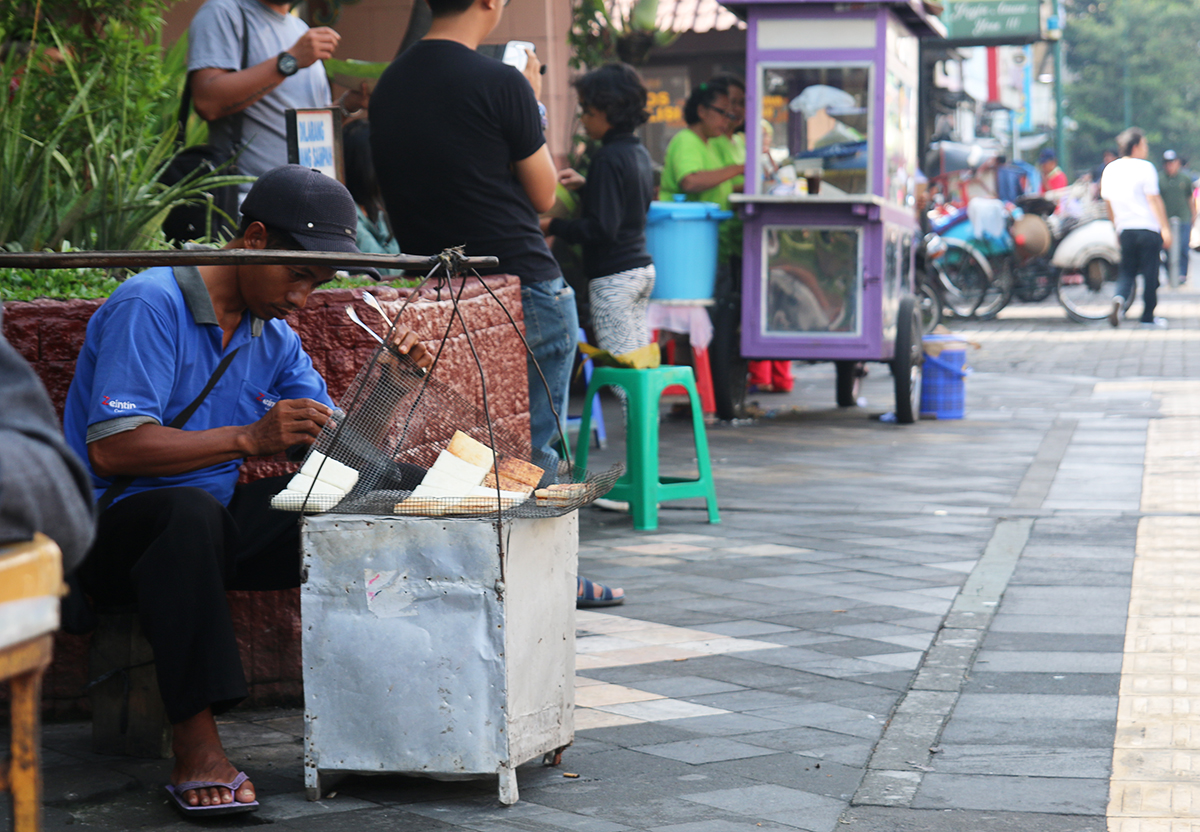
[{"x": 692, "y": 166}]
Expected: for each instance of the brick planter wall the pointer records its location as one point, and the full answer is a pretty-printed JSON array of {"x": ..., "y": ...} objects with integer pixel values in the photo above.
[{"x": 50, "y": 333}]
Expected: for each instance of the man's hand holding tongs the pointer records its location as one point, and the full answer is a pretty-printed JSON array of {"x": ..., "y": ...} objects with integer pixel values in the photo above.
[{"x": 406, "y": 342}]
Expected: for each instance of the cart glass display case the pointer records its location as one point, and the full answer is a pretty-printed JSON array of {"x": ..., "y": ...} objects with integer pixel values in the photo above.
[
  {"x": 812, "y": 281},
  {"x": 829, "y": 206},
  {"x": 816, "y": 126}
]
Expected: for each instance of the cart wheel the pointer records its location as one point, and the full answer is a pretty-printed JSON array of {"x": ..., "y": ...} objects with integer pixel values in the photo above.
[
  {"x": 906, "y": 365},
  {"x": 729, "y": 370},
  {"x": 849, "y": 382}
]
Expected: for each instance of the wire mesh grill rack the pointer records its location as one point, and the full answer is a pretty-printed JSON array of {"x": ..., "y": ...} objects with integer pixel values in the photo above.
[
  {"x": 396, "y": 423},
  {"x": 405, "y": 442}
]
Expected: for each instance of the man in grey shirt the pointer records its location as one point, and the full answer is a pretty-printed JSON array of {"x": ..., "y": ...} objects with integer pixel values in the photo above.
[{"x": 282, "y": 70}]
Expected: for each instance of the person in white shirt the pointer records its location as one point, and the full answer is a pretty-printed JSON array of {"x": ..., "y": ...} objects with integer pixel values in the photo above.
[{"x": 1129, "y": 188}]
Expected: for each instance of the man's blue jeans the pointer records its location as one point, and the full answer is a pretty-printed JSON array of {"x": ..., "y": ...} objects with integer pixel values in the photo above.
[
  {"x": 552, "y": 331},
  {"x": 1140, "y": 252}
]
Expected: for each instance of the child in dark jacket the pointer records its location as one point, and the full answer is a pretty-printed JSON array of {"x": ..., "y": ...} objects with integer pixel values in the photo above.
[{"x": 616, "y": 196}]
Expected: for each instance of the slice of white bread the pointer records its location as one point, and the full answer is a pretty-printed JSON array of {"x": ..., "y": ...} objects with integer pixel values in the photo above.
[
  {"x": 561, "y": 494},
  {"x": 474, "y": 504},
  {"x": 292, "y": 500},
  {"x": 424, "y": 491},
  {"x": 320, "y": 467},
  {"x": 515, "y": 475},
  {"x": 466, "y": 448},
  {"x": 441, "y": 479},
  {"x": 470, "y": 473},
  {"x": 427, "y": 506},
  {"x": 320, "y": 485},
  {"x": 306, "y": 484},
  {"x": 479, "y": 504},
  {"x": 459, "y": 469}
]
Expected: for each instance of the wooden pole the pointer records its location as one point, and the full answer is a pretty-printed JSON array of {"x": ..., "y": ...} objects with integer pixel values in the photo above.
[{"x": 138, "y": 260}]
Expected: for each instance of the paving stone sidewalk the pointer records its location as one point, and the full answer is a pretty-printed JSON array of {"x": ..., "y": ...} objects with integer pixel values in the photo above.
[{"x": 892, "y": 628}]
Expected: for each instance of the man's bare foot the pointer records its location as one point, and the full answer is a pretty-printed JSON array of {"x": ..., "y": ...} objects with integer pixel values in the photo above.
[{"x": 199, "y": 757}]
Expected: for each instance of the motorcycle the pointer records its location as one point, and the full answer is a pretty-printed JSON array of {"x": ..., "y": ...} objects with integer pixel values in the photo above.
[
  {"x": 1041, "y": 252},
  {"x": 1076, "y": 258}
]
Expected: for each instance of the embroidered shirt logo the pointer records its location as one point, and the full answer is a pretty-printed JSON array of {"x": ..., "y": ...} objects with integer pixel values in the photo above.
[
  {"x": 266, "y": 400},
  {"x": 117, "y": 404}
]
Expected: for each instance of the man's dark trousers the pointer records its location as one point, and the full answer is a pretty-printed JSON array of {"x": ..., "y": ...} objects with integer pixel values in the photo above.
[
  {"x": 1140, "y": 254},
  {"x": 174, "y": 552}
]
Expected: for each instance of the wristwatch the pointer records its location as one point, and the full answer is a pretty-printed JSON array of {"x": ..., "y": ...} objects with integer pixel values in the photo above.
[{"x": 286, "y": 64}]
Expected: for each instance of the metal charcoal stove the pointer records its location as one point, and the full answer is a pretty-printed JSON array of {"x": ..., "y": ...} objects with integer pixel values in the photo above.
[{"x": 438, "y": 597}]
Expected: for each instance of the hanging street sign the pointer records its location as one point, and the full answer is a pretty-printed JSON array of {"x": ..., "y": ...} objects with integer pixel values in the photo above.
[{"x": 992, "y": 22}]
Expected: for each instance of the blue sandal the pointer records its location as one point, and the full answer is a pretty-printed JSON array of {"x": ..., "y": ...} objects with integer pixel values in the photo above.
[{"x": 592, "y": 594}]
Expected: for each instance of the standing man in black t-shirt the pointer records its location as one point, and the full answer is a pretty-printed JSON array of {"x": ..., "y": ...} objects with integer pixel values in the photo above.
[{"x": 461, "y": 159}]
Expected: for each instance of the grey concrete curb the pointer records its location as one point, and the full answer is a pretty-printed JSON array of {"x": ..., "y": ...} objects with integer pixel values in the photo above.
[{"x": 903, "y": 754}]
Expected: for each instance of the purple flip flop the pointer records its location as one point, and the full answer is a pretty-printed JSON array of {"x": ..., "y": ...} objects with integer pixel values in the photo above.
[{"x": 217, "y": 808}]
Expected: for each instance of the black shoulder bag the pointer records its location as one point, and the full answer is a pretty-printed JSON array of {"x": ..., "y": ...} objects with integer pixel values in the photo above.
[{"x": 190, "y": 222}]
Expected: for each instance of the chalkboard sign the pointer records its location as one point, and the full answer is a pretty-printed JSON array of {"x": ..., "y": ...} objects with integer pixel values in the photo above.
[{"x": 314, "y": 138}]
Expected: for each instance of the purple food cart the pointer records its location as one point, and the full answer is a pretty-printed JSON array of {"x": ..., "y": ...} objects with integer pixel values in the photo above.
[{"x": 829, "y": 207}]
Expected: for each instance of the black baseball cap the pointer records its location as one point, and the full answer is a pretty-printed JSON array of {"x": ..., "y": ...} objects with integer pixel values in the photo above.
[{"x": 315, "y": 209}]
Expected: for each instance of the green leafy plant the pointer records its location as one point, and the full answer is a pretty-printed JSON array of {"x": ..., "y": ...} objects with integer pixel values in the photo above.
[
  {"x": 1125, "y": 62},
  {"x": 31, "y": 284},
  {"x": 601, "y": 33},
  {"x": 89, "y": 171}
]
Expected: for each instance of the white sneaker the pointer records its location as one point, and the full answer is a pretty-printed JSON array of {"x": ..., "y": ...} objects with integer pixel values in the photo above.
[{"x": 1157, "y": 323}]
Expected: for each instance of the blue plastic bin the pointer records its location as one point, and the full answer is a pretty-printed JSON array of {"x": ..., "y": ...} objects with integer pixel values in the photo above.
[
  {"x": 944, "y": 377},
  {"x": 682, "y": 238}
]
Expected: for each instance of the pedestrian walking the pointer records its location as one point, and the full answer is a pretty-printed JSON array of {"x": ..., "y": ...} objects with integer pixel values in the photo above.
[
  {"x": 1129, "y": 188},
  {"x": 1176, "y": 189}
]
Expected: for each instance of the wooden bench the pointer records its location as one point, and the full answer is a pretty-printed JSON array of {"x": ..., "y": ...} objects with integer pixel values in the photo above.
[{"x": 30, "y": 586}]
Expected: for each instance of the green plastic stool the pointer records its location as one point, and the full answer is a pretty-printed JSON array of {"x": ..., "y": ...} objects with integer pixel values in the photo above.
[{"x": 641, "y": 484}]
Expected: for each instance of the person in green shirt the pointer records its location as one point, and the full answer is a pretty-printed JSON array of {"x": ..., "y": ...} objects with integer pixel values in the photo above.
[
  {"x": 1176, "y": 189},
  {"x": 730, "y": 149},
  {"x": 692, "y": 166},
  {"x": 730, "y": 146}
]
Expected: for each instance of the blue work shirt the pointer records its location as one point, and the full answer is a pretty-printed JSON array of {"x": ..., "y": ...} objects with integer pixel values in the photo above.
[{"x": 149, "y": 352}]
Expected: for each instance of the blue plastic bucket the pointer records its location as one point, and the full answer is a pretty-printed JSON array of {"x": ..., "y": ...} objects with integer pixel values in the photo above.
[
  {"x": 944, "y": 377},
  {"x": 682, "y": 239}
]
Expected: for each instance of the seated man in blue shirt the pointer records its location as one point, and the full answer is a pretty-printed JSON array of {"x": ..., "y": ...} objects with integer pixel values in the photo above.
[{"x": 175, "y": 530}]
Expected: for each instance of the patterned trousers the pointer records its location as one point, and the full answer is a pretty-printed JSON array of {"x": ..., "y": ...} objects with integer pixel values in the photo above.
[{"x": 619, "y": 304}]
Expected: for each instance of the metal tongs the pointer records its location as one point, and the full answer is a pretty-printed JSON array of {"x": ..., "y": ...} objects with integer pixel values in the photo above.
[{"x": 354, "y": 317}]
